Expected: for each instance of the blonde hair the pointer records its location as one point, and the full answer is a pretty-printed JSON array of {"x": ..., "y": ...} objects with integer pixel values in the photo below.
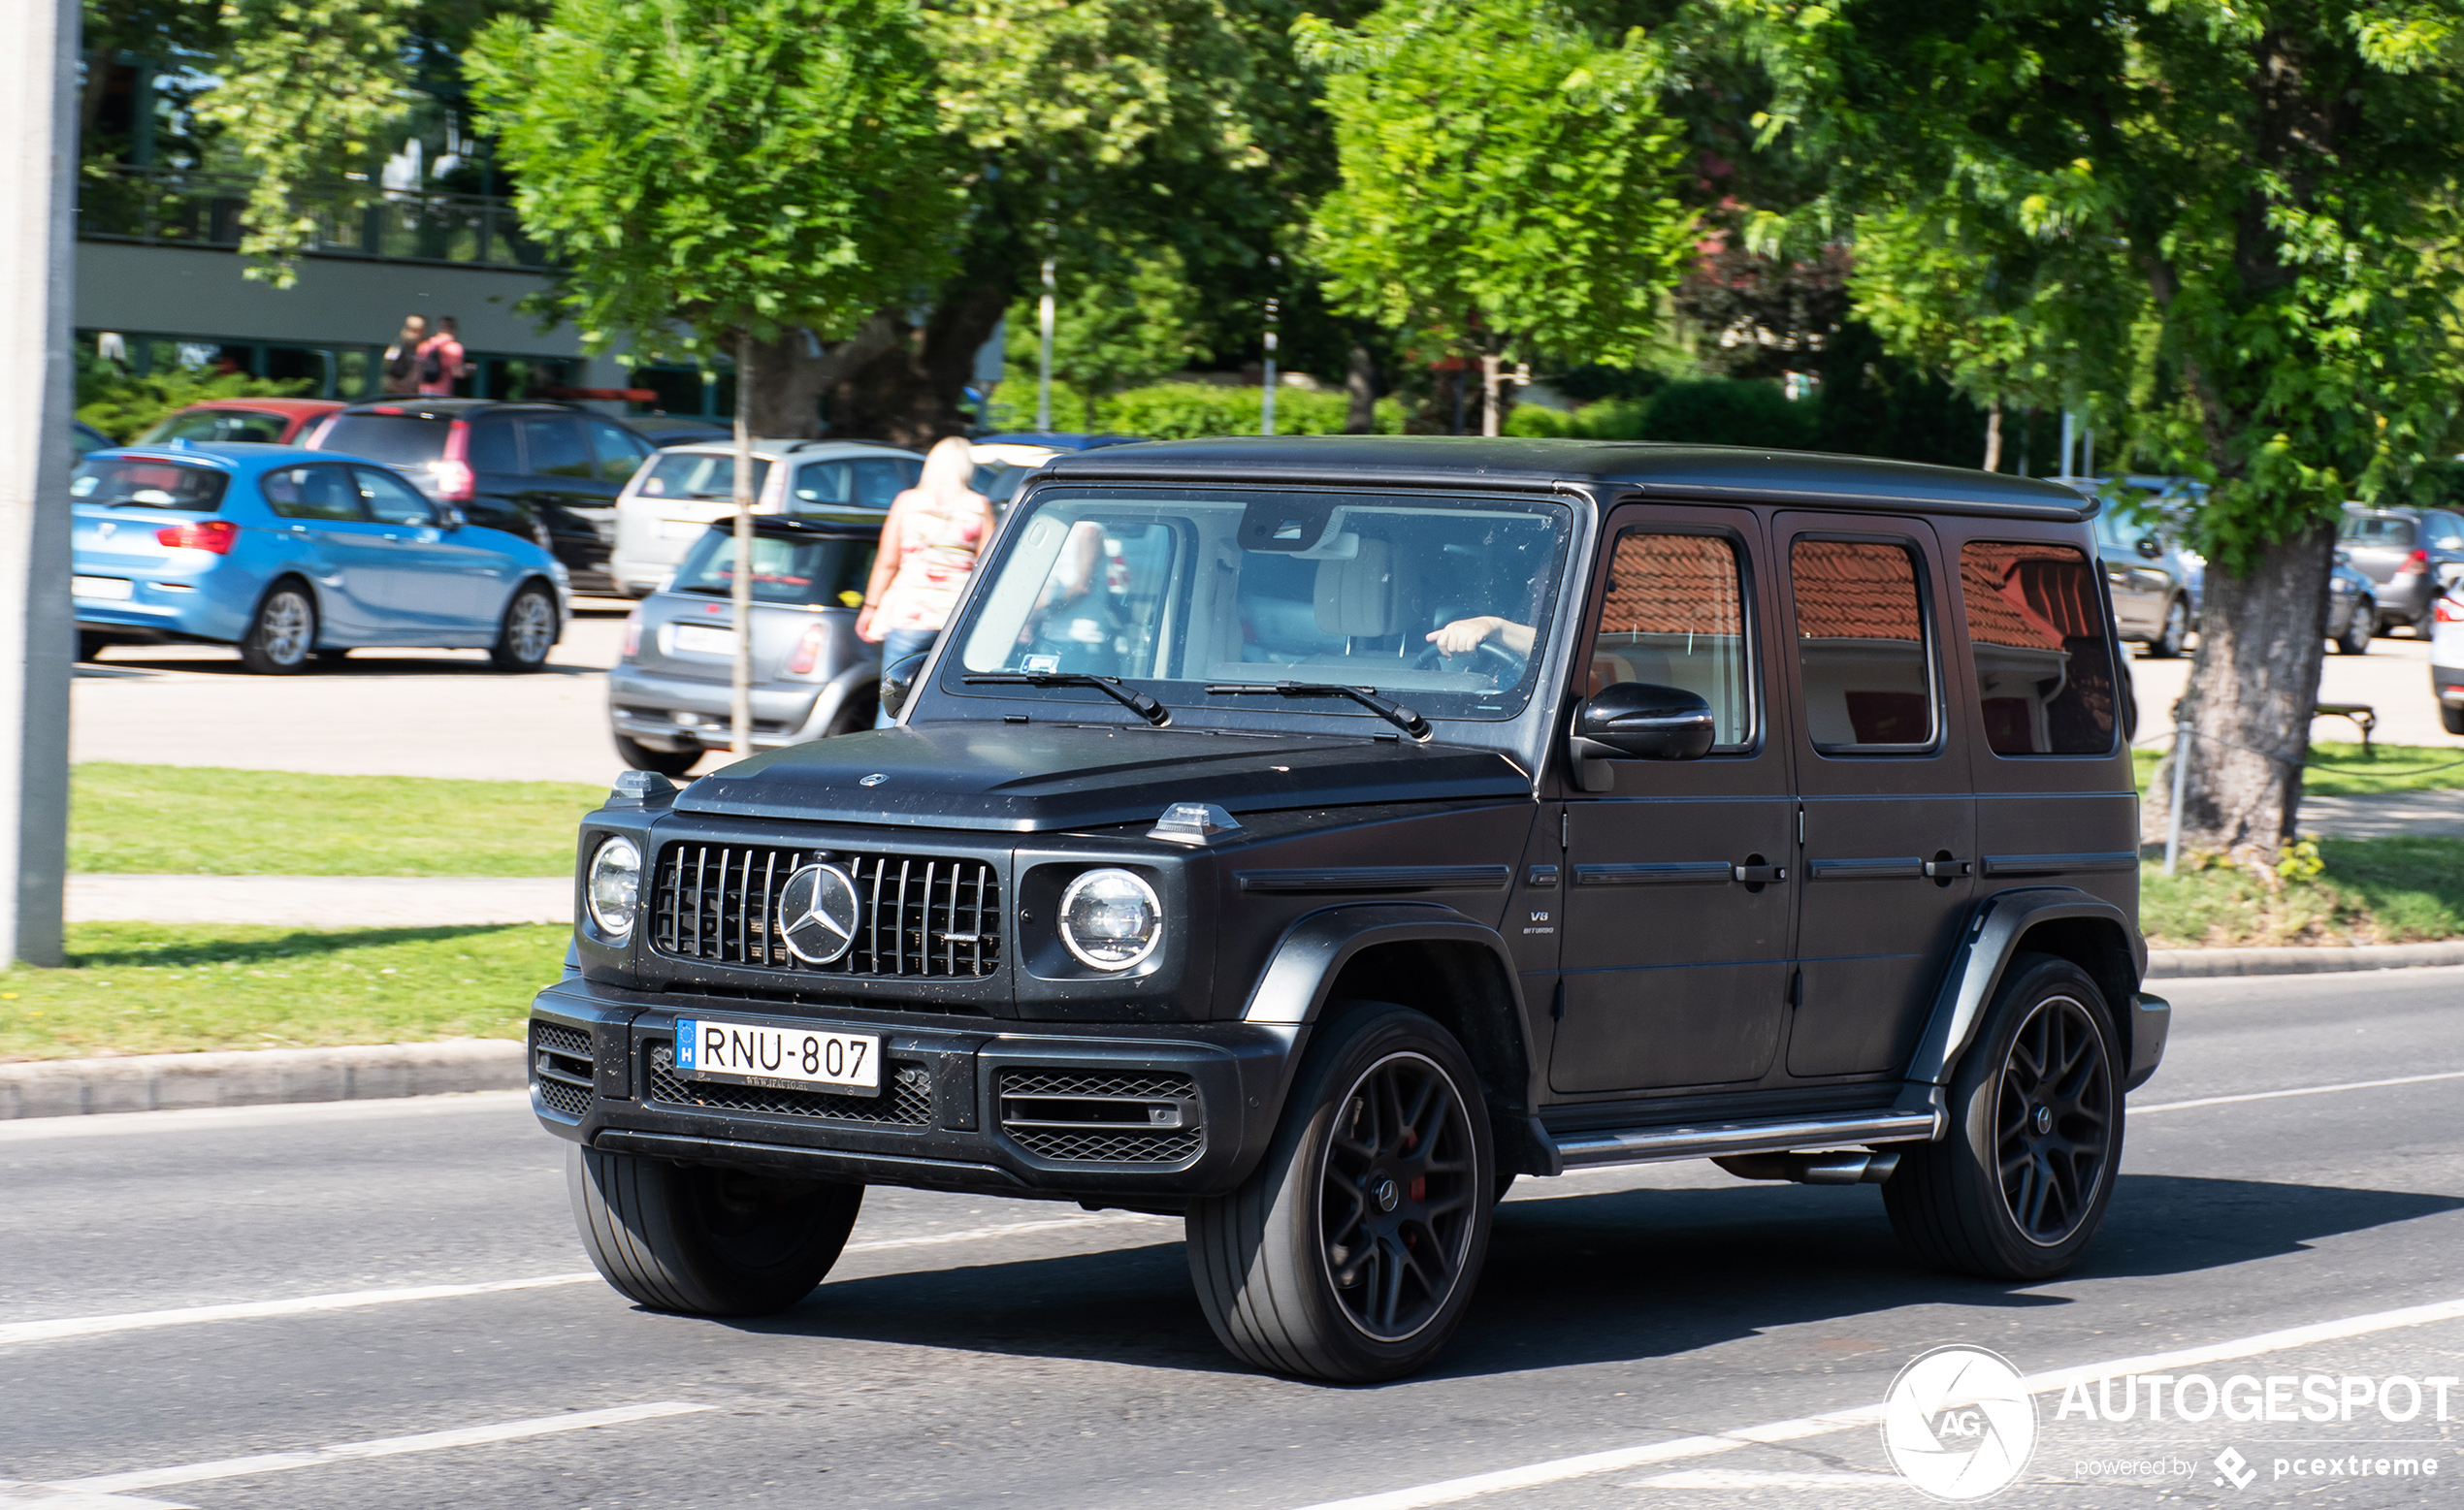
[{"x": 948, "y": 468}]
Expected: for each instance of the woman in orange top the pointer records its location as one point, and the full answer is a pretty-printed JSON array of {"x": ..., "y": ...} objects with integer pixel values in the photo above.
[{"x": 928, "y": 549}]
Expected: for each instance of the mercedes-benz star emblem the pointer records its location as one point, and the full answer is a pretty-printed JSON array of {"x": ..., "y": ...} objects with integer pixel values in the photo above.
[
  {"x": 817, "y": 914},
  {"x": 874, "y": 779}
]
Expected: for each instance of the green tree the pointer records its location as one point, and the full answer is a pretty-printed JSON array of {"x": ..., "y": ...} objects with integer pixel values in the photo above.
[
  {"x": 2276, "y": 184},
  {"x": 748, "y": 171},
  {"x": 1510, "y": 184},
  {"x": 1126, "y": 323}
]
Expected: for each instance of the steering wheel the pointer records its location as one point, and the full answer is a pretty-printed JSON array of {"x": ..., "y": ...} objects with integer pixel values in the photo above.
[{"x": 1509, "y": 665}]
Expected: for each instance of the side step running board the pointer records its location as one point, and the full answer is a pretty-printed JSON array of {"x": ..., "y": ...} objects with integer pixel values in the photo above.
[{"x": 1780, "y": 1134}]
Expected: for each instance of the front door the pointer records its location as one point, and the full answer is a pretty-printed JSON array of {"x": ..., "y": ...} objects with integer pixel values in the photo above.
[
  {"x": 1678, "y": 881},
  {"x": 1889, "y": 836},
  {"x": 434, "y": 581}
]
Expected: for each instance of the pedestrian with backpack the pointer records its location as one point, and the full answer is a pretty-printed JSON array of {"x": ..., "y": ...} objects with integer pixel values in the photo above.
[
  {"x": 441, "y": 360},
  {"x": 400, "y": 372}
]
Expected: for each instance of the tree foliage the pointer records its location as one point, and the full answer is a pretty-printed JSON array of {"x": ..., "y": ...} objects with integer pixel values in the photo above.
[{"x": 1125, "y": 322}]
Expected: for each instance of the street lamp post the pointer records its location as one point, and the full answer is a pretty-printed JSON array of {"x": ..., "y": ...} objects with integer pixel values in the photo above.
[
  {"x": 1274, "y": 334},
  {"x": 1044, "y": 359}
]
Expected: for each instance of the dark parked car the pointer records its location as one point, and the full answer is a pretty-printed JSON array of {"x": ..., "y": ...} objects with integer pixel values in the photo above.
[
  {"x": 668, "y": 693},
  {"x": 674, "y": 430},
  {"x": 2353, "y": 607},
  {"x": 1310, "y": 836},
  {"x": 2402, "y": 551},
  {"x": 2155, "y": 587},
  {"x": 548, "y": 471}
]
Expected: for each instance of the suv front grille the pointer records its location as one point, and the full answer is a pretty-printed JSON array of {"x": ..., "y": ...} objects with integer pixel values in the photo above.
[
  {"x": 916, "y": 916},
  {"x": 1102, "y": 1116},
  {"x": 561, "y": 1066},
  {"x": 905, "y": 1101}
]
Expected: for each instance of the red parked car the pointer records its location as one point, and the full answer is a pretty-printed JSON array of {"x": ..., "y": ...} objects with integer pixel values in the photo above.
[{"x": 273, "y": 421}]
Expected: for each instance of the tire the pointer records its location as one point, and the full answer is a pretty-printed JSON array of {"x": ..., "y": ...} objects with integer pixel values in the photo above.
[
  {"x": 703, "y": 1241},
  {"x": 2017, "y": 1189},
  {"x": 2453, "y": 717},
  {"x": 1348, "y": 1157},
  {"x": 666, "y": 763},
  {"x": 89, "y": 646},
  {"x": 527, "y": 631},
  {"x": 2174, "y": 632},
  {"x": 2355, "y": 639},
  {"x": 281, "y": 639}
]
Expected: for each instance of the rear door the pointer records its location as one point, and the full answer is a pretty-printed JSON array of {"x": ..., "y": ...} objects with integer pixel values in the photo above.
[
  {"x": 1888, "y": 836},
  {"x": 1677, "y": 894}
]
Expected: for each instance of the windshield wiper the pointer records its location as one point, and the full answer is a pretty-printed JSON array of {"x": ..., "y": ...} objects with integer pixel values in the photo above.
[
  {"x": 1394, "y": 712},
  {"x": 1112, "y": 686}
]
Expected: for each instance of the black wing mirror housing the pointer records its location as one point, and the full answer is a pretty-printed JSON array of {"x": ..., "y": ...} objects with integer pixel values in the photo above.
[
  {"x": 1637, "y": 720},
  {"x": 2150, "y": 547},
  {"x": 448, "y": 517},
  {"x": 899, "y": 681}
]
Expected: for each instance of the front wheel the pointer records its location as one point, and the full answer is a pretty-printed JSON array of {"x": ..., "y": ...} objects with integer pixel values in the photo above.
[
  {"x": 528, "y": 631},
  {"x": 2355, "y": 639},
  {"x": 2453, "y": 717},
  {"x": 2176, "y": 632},
  {"x": 2017, "y": 1189},
  {"x": 666, "y": 763},
  {"x": 281, "y": 640},
  {"x": 702, "y": 1241},
  {"x": 1351, "y": 1253}
]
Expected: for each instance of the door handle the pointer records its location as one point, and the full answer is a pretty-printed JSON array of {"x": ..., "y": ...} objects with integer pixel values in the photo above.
[
  {"x": 1945, "y": 870},
  {"x": 1758, "y": 875}
]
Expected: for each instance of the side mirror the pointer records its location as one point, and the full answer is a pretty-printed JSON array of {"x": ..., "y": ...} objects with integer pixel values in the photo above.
[
  {"x": 2150, "y": 548},
  {"x": 450, "y": 517},
  {"x": 899, "y": 681},
  {"x": 1639, "y": 721}
]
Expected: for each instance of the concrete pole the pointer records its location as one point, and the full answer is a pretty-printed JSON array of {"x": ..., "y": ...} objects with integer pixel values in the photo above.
[
  {"x": 2069, "y": 438},
  {"x": 1266, "y": 394},
  {"x": 1044, "y": 346},
  {"x": 38, "y": 626},
  {"x": 741, "y": 585}
]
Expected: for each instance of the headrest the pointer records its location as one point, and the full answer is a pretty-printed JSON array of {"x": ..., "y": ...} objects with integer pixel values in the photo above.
[{"x": 1358, "y": 596}]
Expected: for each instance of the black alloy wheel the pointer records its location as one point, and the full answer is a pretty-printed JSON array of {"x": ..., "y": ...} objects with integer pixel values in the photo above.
[
  {"x": 2054, "y": 1121},
  {"x": 1396, "y": 1198}
]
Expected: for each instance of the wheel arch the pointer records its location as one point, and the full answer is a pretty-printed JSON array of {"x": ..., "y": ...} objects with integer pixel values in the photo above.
[{"x": 2086, "y": 930}]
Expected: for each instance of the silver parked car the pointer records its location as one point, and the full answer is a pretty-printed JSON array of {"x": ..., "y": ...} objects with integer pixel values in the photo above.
[
  {"x": 665, "y": 506},
  {"x": 669, "y": 694}
]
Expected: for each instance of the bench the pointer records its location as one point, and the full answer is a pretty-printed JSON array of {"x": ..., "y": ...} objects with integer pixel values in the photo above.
[{"x": 2364, "y": 718}]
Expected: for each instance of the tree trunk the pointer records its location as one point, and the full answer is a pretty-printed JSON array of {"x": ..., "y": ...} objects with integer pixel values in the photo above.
[
  {"x": 1360, "y": 386},
  {"x": 2252, "y": 688},
  {"x": 1994, "y": 437},
  {"x": 912, "y": 391},
  {"x": 780, "y": 383}
]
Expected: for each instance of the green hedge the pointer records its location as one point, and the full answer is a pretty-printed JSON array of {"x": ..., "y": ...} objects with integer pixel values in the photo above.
[
  {"x": 1723, "y": 411},
  {"x": 1188, "y": 411}
]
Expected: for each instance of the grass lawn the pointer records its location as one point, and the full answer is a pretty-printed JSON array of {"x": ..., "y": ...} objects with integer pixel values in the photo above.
[
  {"x": 2402, "y": 890},
  {"x": 150, "y": 988},
  {"x": 2339, "y": 771},
  {"x": 157, "y": 819}
]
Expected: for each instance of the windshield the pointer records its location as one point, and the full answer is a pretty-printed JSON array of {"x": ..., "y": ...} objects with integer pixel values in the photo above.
[
  {"x": 2381, "y": 530},
  {"x": 144, "y": 482},
  {"x": 1442, "y": 600},
  {"x": 697, "y": 474},
  {"x": 811, "y": 572},
  {"x": 404, "y": 439},
  {"x": 216, "y": 425}
]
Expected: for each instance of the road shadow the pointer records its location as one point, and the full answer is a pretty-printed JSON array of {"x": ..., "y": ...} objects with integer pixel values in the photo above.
[
  {"x": 286, "y": 946},
  {"x": 359, "y": 663},
  {"x": 1616, "y": 1277}
]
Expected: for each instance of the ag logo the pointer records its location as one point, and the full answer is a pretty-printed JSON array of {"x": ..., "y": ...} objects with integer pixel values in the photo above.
[
  {"x": 1958, "y": 1423},
  {"x": 817, "y": 914}
]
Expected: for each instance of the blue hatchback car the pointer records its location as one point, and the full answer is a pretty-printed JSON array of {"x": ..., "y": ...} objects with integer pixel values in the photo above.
[{"x": 294, "y": 555}]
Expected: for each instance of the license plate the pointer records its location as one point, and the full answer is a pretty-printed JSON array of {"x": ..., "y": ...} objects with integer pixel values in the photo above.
[
  {"x": 750, "y": 1055},
  {"x": 117, "y": 589},
  {"x": 681, "y": 529},
  {"x": 702, "y": 639}
]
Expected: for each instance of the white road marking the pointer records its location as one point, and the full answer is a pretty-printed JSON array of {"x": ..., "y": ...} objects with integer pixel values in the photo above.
[
  {"x": 2299, "y": 1090},
  {"x": 355, "y": 1299},
  {"x": 13, "y": 1493},
  {"x": 381, "y": 1447},
  {"x": 1740, "y": 1478},
  {"x": 1449, "y": 1492},
  {"x": 206, "y": 1119}
]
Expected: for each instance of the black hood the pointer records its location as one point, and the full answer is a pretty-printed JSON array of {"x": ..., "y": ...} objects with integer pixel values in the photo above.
[{"x": 1033, "y": 777}]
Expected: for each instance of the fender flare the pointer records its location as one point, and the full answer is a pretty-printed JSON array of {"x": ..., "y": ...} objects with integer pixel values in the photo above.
[{"x": 1984, "y": 953}]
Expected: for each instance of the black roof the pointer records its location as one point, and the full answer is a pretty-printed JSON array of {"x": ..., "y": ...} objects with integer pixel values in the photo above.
[
  {"x": 1739, "y": 473},
  {"x": 428, "y": 407}
]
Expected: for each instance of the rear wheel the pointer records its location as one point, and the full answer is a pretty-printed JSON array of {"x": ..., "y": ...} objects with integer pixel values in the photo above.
[
  {"x": 1351, "y": 1253},
  {"x": 528, "y": 631},
  {"x": 2019, "y": 1188},
  {"x": 281, "y": 640},
  {"x": 2355, "y": 639},
  {"x": 706, "y": 1241},
  {"x": 666, "y": 763}
]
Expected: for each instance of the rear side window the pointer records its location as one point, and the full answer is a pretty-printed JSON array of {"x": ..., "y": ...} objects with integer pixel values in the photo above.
[
  {"x": 492, "y": 448},
  {"x": 620, "y": 450},
  {"x": 2446, "y": 531},
  {"x": 822, "y": 485},
  {"x": 217, "y": 425},
  {"x": 699, "y": 475},
  {"x": 2378, "y": 530},
  {"x": 1674, "y": 616},
  {"x": 807, "y": 573},
  {"x": 313, "y": 493},
  {"x": 1860, "y": 646},
  {"x": 878, "y": 483},
  {"x": 142, "y": 483},
  {"x": 396, "y": 439},
  {"x": 555, "y": 447},
  {"x": 2044, "y": 667}
]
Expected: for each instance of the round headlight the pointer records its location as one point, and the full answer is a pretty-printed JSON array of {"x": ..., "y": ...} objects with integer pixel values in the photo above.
[
  {"x": 1111, "y": 920},
  {"x": 615, "y": 884}
]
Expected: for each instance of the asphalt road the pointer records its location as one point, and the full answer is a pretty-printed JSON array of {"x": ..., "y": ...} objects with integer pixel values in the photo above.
[{"x": 977, "y": 1352}]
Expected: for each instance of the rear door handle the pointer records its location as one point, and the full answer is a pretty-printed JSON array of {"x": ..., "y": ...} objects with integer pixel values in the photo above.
[
  {"x": 1758, "y": 875},
  {"x": 1945, "y": 870}
]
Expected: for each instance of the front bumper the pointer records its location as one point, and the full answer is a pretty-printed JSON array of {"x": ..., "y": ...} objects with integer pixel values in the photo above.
[
  {"x": 642, "y": 706},
  {"x": 968, "y": 1103},
  {"x": 2150, "y": 1024}
]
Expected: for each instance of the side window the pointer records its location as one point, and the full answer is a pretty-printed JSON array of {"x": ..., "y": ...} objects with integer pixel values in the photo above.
[
  {"x": 620, "y": 450},
  {"x": 2446, "y": 532},
  {"x": 492, "y": 448},
  {"x": 2044, "y": 668},
  {"x": 878, "y": 483},
  {"x": 556, "y": 447},
  {"x": 1861, "y": 645},
  {"x": 1674, "y": 616},
  {"x": 390, "y": 500},
  {"x": 313, "y": 493},
  {"x": 821, "y": 485}
]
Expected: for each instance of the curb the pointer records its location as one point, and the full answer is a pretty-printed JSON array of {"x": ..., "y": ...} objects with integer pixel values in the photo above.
[
  {"x": 2299, "y": 961},
  {"x": 258, "y": 1077}
]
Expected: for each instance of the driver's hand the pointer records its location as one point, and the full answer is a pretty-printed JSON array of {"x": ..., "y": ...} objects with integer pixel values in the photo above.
[{"x": 1464, "y": 635}]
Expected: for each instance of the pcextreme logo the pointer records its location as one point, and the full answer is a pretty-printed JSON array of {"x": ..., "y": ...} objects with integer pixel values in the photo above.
[{"x": 1958, "y": 1423}]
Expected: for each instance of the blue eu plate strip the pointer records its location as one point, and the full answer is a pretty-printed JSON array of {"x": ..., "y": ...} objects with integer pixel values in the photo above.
[{"x": 688, "y": 1044}]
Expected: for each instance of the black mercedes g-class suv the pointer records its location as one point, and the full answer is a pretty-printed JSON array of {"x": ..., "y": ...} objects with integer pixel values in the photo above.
[{"x": 1309, "y": 837}]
